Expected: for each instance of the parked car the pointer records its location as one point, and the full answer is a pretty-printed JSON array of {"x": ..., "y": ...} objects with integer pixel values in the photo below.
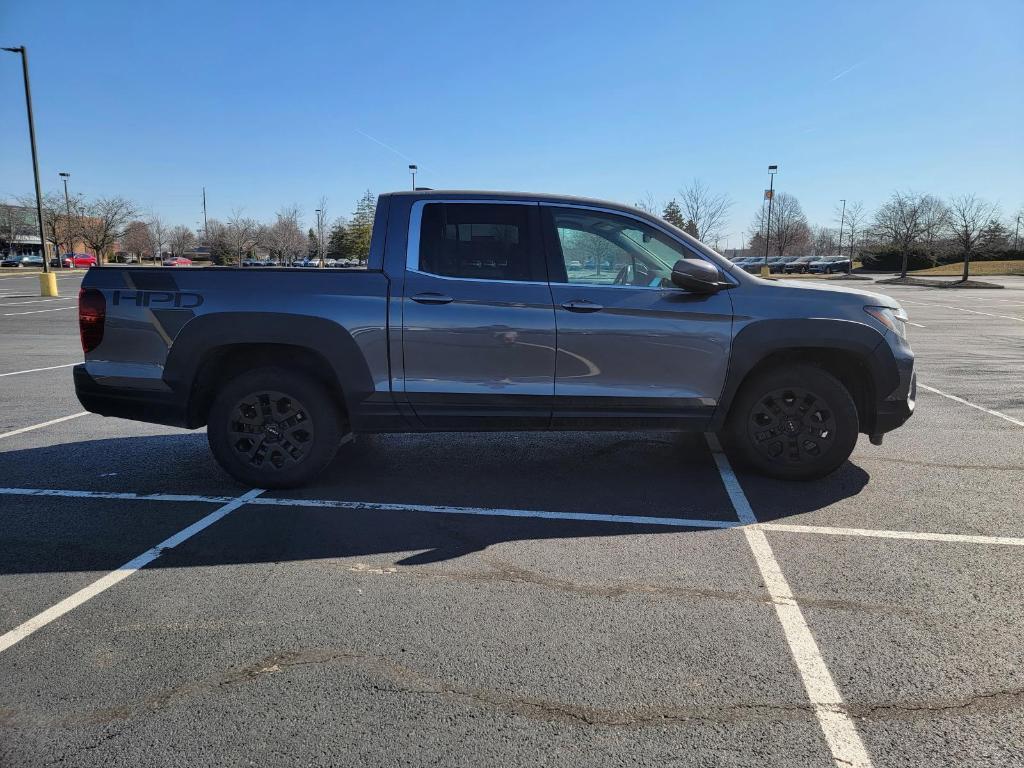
[
  {"x": 443, "y": 333},
  {"x": 177, "y": 261},
  {"x": 78, "y": 260},
  {"x": 29, "y": 260},
  {"x": 798, "y": 265},
  {"x": 779, "y": 263},
  {"x": 829, "y": 264}
]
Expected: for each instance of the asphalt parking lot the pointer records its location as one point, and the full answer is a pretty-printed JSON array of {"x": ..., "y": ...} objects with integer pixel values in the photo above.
[{"x": 524, "y": 599}]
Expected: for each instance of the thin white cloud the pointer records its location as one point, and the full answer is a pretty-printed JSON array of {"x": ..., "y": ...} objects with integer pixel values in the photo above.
[
  {"x": 378, "y": 141},
  {"x": 848, "y": 70}
]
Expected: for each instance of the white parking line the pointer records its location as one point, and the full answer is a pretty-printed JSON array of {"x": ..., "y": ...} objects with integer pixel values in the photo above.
[
  {"x": 916, "y": 325},
  {"x": 14, "y": 432},
  {"x": 37, "y": 311},
  {"x": 954, "y": 538},
  {"x": 36, "y": 370},
  {"x": 113, "y": 495},
  {"x": 106, "y": 582},
  {"x": 960, "y": 309},
  {"x": 989, "y": 411},
  {"x": 36, "y": 301},
  {"x": 837, "y": 726}
]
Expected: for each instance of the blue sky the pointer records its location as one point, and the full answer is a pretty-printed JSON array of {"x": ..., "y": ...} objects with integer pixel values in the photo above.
[{"x": 269, "y": 104}]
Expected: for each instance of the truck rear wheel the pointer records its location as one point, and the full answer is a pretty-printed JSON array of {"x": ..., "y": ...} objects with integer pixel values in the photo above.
[
  {"x": 794, "y": 423},
  {"x": 273, "y": 428}
]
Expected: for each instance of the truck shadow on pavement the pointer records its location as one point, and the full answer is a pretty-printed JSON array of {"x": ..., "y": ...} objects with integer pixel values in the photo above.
[{"x": 666, "y": 475}]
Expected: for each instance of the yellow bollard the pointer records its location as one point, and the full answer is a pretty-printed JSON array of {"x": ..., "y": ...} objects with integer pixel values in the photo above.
[
  {"x": 48, "y": 284},
  {"x": 765, "y": 271}
]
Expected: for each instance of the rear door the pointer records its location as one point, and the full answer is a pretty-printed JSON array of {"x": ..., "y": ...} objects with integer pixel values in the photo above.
[
  {"x": 478, "y": 325},
  {"x": 633, "y": 349}
]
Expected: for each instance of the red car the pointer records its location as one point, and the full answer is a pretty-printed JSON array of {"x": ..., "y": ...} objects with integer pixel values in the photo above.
[
  {"x": 79, "y": 260},
  {"x": 177, "y": 261}
]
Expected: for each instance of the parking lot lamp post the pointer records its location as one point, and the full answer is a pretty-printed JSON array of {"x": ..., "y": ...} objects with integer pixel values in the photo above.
[
  {"x": 67, "y": 205},
  {"x": 320, "y": 236},
  {"x": 412, "y": 170},
  {"x": 47, "y": 281},
  {"x": 1016, "y": 232},
  {"x": 772, "y": 170},
  {"x": 842, "y": 220}
]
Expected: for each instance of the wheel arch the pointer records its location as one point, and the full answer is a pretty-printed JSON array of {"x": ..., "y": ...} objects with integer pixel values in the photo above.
[
  {"x": 845, "y": 349},
  {"x": 214, "y": 348}
]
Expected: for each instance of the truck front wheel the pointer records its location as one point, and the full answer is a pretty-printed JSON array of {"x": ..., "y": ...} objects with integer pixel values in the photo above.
[
  {"x": 796, "y": 422},
  {"x": 273, "y": 428}
]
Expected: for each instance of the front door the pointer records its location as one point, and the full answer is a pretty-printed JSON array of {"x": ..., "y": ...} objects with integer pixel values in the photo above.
[
  {"x": 478, "y": 326},
  {"x": 633, "y": 349}
]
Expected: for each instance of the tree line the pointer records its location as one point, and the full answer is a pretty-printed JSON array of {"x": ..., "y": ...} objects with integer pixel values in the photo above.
[
  {"x": 909, "y": 230},
  {"x": 114, "y": 228}
]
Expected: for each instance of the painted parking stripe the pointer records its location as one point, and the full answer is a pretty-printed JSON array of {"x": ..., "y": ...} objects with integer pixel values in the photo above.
[
  {"x": 37, "y": 301},
  {"x": 37, "y": 311},
  {"x": 960, "y": 309},
  {"x": 104, "y": 583},
  {"x": 916, "y": 325},
  {"x": 36, "y": 370},
  {"x": 67, "y": 494},
  {"x": 675, "y": 522},
  {"x": 833, "y": 717},
  {"x": 954, "y": 398},
  {"x": 14, "y": 432},
  {"x": 954, "y": 538}
]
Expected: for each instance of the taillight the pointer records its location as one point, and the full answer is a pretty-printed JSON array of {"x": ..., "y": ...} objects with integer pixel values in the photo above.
[{"x": 92, "y": 312}]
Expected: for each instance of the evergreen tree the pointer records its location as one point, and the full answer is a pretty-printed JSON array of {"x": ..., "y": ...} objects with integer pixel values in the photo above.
[
  {"x": 338, "y": 241},
  {"x": 673, "y": 214},
  {"x": 690, "y": 228},
  {"x": 361, "y": 227},
  {"x": 312, "y": 245}
]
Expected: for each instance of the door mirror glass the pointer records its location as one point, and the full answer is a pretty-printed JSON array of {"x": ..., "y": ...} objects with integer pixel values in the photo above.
[{"x": 696, "y": 276}]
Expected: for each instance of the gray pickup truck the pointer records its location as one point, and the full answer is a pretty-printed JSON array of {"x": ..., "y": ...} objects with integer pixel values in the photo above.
[{"x": 495, "y": 311}]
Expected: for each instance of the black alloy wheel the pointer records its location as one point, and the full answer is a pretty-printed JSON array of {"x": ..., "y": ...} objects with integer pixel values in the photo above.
[
  {"x": 271, "y": 430},
  {"x": 793, "y": 425}
]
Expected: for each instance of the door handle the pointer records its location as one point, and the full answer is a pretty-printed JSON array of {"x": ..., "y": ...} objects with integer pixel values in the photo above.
[
  {"x": 431, "y": 298},
  {"x": 582, "y": 306}
]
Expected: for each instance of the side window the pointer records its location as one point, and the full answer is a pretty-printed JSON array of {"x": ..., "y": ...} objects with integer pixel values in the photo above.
[
  {"x": 482, "y": 241},
  {"x": 605, "y": 249}
]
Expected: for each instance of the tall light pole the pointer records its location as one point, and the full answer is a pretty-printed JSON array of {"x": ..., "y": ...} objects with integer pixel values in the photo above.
[
  {"x": 770, "y": 194},
  {"x": 67, "y": 205},
  {"x": 842, "y": 220},
  {"x": 320, "y": 236},
  {"x": 1016, "y": 232},
  {"x": 412, "y": 170},
  {"x": 47, "y": 284},
  {"x": 206, "y": 226}
]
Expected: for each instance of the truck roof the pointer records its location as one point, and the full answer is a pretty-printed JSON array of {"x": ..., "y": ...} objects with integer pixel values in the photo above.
[{"x": 484, "y": 194}]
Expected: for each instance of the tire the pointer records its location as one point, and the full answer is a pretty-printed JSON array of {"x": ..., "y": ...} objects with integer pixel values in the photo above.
[
  {"x": 274, "y": 428},
  {"x": 793, "y": 423}
]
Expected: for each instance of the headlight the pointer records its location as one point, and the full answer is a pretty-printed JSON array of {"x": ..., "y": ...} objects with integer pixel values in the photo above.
[{"x": 893, "y": 319}]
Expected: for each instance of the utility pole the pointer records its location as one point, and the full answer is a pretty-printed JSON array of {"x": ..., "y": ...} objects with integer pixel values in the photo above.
[
  {"x": 412, "y": 170},
  {"x": 842, "y": 220},
  {"x": 67, "y": 204},
  {"x": 772, "y": 170},
  {"x": 47, "y": 281},
  {"x": 206, "y": 226},
  {"x": 1016, "y": 232}
]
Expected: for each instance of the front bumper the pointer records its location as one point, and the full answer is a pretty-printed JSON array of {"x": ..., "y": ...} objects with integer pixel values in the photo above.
[{"x": 122, "y": 402}]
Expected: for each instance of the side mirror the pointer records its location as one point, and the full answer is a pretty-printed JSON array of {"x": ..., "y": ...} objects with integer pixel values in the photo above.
[{"x": 696, "y": 276}]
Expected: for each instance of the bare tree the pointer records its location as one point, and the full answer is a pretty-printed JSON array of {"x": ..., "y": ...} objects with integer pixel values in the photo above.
[
  {"x": 855, "y": 216},
  {"x": 968, "y": 216},
  {"x": 138, "y": 239},
  {"x": 824, "y": 241},
  {"x": 900, "y": 222},
  {"x": 103, "y": 223},
  {"x": 647, "y": 204},
  {"x": 180, "y": 239},
  {"x": 241, "y": 233},
  {"x": 284, "y": 238},
  {"x": 708, "y": 211},
  {"x": 159, "y": 231},
  {"x": 789, "y": 228},
  {"x": 934, "y": 221}
]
